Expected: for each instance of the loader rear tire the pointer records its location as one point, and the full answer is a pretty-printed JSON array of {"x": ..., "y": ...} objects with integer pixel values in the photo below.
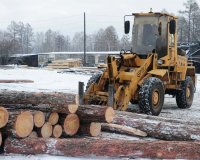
[
  {"x": 151, "y": 96},
  {"x": 184, "y": 97},
  {"x": 94, "y": 79}
]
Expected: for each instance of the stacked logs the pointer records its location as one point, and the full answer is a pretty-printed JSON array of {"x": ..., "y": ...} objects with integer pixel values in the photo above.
[
  {"x": 49, "y": 123},
  {"x": 4, "y": 116},
  {"x": 46, "y": 115}
]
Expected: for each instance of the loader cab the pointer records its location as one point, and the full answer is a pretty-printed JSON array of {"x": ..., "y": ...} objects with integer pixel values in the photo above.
[{"x": 153, "y": 33}]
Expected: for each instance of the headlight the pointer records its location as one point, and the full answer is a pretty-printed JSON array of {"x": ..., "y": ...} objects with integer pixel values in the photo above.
[{"x": 160, "y": 61}]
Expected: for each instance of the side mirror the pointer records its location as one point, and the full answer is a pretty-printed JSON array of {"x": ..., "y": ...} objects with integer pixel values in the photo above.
[
  {"x": 172, "y": 27},
  {"x": 127, "y": 27}
]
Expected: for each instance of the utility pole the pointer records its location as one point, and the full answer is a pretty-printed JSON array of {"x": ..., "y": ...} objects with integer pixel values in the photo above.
[{"x": 84, "y": 40}]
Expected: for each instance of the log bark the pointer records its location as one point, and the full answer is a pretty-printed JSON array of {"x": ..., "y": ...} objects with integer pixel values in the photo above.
[
  {"x": 24, "y": 124},
  {"x": 57, "y": 131},
  {"x": 58, "y": 102},
  {"x": 162, "y": 129},
  {"x": 93, "y": 129},
  {"x": 16, "y": 81},
  {"x": 95, "y": 113},
  {"x": 156, "y": 118},
  {"x": 71, "y": 124},
  {"x": 115, "y": 148},
  {"x": 122, "y": 129},
  {"x": 4, "y": 116}
]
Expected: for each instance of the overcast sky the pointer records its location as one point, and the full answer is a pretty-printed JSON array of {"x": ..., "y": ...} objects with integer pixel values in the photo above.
[{"x": 66, "y": 16}]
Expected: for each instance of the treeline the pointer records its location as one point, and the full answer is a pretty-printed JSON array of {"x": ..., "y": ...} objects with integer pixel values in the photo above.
[
  {"x": 104, "y": 40},
  {"x": 19, "y": 38},
  {"x": 189, "y": 23}
]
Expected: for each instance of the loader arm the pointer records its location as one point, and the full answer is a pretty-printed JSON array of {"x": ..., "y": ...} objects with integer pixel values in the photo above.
[{"x": 129, "y": 84}]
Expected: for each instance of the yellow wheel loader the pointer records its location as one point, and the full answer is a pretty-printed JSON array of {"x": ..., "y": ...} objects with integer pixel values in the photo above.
[{"x": 152, "y": 68}]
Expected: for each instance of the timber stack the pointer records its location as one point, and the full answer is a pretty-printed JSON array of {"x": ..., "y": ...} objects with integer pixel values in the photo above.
[
  {"x": 50, "y": 115},
  {"x": 55, "y": 123}
]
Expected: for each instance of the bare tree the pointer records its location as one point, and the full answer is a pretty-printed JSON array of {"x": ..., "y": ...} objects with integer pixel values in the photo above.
[
  {"x": 191, "y": 14},
  {"x": 77, "y": 42},
  {"x": 111, "y": 38},
  {"x": 28, "y": 39}
]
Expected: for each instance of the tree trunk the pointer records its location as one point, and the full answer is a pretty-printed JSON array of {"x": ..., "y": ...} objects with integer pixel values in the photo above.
[
  {"x": 46, "y": 130},
  {"x": 1, "y": 139},
  {"x": 24, "y": 124},
  {"x": 156, "y": 118},
  {"x": 33, "y": 134},
  {"x": 53, "y": 118},
  {"x": 94, "y": 113},
  {"x": 39, "y": 119},
  {"x": 4, "y": 116},
  {"x": 162, "y": 129},
  {"x": 71, "y": 124},
  {"x": 93, "y": 129},
  {"x": 122, "y": 129},
  {"x": 57, "y": 131},
  {"x": 58, "y": 102},
  {"x": 16, "y": 81},
  {"x": 82, "y": 147}
]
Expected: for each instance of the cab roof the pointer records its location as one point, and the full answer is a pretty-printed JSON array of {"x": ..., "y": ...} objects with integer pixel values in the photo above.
[{"x": 159, "y": 14}]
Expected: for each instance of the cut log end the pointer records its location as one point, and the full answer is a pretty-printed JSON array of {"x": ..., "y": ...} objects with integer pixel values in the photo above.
[
  {"x": 71, "y": 124},
  {"x": 46, "y": 130},
  {"x": 72, "y": 108},
  {"x": 33, "y": 135},
  {"x": 53, "y": 118},
  {"x": 0, "y": 139},
  {"x": 24, "y": 124},
  {"x": 39, "y": 119},
  {"x": 109, "y": 114},
  {"x": 4, "y": 115},
  {"x": 95, "y": 129},
  {"x": 57, "y": 131}
]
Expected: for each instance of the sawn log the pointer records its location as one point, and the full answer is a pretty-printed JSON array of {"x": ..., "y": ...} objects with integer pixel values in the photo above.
[
  {"x": 115, "y": 148},
  {"x": 55, "y": 101},
  {"x": 159, "y": 128}
]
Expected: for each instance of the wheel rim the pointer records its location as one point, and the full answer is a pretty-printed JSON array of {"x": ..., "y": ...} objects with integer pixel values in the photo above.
[
  {"x": 188, "y": 93},
  {"x": 155, "y": 98}
]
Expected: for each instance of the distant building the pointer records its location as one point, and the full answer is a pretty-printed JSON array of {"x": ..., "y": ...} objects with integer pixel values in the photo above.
[{"x": 42, "y": 59}]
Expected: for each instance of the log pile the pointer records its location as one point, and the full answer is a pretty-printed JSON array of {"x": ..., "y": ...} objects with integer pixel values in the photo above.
[
  {"x": 55, "y": 123},
  {"x": 45, "y": 115},
  {"x": 63, "y": 64}
]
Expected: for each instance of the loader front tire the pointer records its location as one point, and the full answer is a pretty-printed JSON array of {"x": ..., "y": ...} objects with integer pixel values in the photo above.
[
  {"x": 151, "y": 96},
  {"x": 94, "y": 79},
  {"x": 184, "y": 97}
]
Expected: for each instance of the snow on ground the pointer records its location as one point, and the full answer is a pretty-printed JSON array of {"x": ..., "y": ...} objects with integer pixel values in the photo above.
[
  {"x": 46, "y": 157},
  {"x": 170, "y": 109},
  {"x": 44, "y": 80}
]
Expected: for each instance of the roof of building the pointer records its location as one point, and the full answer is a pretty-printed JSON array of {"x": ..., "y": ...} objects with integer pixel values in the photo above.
[{"x": 65, "y": 53}]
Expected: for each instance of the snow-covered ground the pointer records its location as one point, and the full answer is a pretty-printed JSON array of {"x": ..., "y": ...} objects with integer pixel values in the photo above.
[
  {"x": 44, "y": 80},
  {"x": 50, "y": 80}
]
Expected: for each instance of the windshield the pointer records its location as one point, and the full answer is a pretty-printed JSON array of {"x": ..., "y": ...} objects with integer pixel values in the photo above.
[{"x": 144, "y": 35}]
